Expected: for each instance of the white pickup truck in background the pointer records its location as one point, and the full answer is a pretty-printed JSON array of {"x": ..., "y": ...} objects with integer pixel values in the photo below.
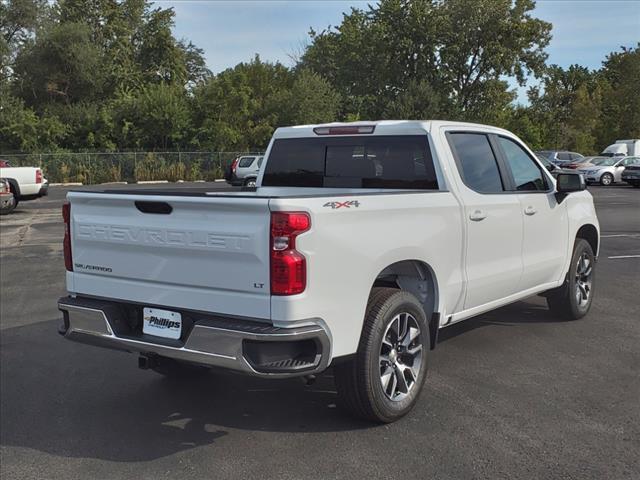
[
  {"x": 26, "y": 183},
  {"x": 359, "y": 243}
]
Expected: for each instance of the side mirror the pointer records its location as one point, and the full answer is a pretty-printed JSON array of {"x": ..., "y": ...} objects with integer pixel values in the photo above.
[
  {"x": 567, "y": 183},
  {"x": 551, "y": 167}
]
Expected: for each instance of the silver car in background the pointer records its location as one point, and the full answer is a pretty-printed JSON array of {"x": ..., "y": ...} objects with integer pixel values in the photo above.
[
  {"x": 244, "y": 170},
  {"x": 607, "y": 170}
]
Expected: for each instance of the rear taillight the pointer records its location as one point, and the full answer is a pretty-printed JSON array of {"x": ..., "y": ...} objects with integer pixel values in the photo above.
[
  {"x": 38, "y": 175},
  {"x": 288, "y": 266},
  {"x": 66, "y": 243},
  {"x": 234, "y": 165}
]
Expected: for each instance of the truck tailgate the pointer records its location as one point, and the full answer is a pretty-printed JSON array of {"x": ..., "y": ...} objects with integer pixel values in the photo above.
[{"x": 200, "y": 253}]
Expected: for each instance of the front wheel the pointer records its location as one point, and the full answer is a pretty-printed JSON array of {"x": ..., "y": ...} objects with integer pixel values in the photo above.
[
  {"x": 573, "y": 299},
  {"x": 383, "y": 382},
  {"x": 606, "y": 179}
]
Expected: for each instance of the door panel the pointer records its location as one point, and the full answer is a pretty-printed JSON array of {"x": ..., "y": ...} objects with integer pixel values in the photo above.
[
  {"x": 494, "y": 262},
  {"x": 545, "y": 238},
  {"x": 545, "y": 226},
  {"x": 493, "y": 221}
]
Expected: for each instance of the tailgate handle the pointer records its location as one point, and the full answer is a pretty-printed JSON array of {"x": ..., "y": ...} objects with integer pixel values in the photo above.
[{"x": 154, "y": 207}]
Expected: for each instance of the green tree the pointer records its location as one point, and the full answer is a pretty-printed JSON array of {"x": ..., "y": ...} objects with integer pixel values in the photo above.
[
  {"x": 156, "y": 118},
  {"x": 567, "y": 105},
  {"x": 62, "y": 65},
  {"x": 311, "y": 99},
  {"x": 239, "y": 108},
  {"x": 461, "y": 49},
  {"x": 18, "y": 21},
  {"x": 620, "y": 82}
]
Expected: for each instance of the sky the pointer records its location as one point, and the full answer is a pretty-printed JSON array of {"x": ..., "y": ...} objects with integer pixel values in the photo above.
[{"x": 230, "y": 32}]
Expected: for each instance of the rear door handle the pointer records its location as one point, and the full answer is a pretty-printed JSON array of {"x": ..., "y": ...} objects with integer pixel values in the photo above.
[
  {"x": 530, "y": 210},
  {"x": 477, "y": 215}
]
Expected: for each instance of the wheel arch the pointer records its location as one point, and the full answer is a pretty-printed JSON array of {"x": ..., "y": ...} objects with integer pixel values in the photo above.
[
  {"x": 14, "y": 186},
  {"x": 589, "y": 233},
  {"x": 418, "y": 278}
]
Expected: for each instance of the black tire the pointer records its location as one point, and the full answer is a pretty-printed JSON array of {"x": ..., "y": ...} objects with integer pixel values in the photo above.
[
  {"x": 606, "y": 179},
  {"x": 250, "y": 182},
  {"x": 636, "y": 185},
  {"x": 563, "y": 301},
  {"x": 360, "y": 381},
  {"x": 173, "y": 368}
]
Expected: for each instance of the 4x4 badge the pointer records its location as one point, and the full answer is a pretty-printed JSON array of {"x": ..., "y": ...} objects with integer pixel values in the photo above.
[{"x": 347, "y": 204}]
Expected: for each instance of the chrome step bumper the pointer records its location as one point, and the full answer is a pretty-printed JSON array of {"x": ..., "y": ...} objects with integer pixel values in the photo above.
[{"x": 249, "y": 347}]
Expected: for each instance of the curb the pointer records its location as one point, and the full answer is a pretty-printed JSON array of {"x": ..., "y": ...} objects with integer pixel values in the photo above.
[
  {"x": 149, "y": 182},
  {"x": 67, "y": 184}
]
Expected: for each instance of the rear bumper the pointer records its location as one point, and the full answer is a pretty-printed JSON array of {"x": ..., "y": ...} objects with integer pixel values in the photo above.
[{"x": 241, "y": 345}]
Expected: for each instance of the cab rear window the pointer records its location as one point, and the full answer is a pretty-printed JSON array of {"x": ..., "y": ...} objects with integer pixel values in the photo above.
[{"x": 394, "y": 161}]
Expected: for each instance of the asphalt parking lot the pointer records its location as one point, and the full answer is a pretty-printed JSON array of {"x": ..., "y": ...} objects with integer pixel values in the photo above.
[{"x": 510, "y": 394}]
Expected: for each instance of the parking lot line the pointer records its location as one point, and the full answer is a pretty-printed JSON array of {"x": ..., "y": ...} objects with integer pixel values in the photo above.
[
  {"x": 632, "y": 235},
  {"x": 615, "y": 257}
]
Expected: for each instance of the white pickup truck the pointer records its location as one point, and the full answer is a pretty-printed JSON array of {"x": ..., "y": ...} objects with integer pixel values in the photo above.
[
  {"x": 359, "y": 243},
  {"x": 26, "y": 183}
]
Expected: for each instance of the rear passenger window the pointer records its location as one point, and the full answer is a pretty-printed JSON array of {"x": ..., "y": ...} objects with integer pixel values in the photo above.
[
  {"x": 246, "y": 162},
  {"x": 527, "y": 176},
  {"x": 476, "y": 162}
]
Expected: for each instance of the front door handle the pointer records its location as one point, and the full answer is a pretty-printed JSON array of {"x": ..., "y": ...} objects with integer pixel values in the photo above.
[
  {"x": 477, "y": 215},
  {"x": 530, "y": 210}
]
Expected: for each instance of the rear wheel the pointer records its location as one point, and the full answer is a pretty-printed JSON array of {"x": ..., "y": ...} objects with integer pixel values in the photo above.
[
  {"x": 606, "y": 179},
  {"x": 573, "y": 300},
  {"x": 384, "y": 380},
  {"x": 251, "y": 182}
]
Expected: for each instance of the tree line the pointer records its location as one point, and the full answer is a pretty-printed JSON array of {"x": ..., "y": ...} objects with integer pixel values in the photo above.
[{"x": 109, "y": 75}]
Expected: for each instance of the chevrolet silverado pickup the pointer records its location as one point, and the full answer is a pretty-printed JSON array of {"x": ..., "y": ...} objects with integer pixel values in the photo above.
[
  {"x": 360, "y": 241},
  {"x": 25, "y": 183}
]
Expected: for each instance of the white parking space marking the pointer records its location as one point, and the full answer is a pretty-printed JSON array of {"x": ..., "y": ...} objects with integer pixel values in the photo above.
[
  {"x": 615, "y": 257},
  {"x": 630, "y": 235}
]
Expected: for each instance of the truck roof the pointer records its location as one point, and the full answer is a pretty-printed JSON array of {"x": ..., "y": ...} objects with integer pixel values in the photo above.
[{"x": 382, "y": 127}]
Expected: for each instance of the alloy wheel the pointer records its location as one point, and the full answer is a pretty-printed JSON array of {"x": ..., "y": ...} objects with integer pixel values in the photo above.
[
  {"x": 584, "y": 271},
  {"x": 400, "y": 356}
]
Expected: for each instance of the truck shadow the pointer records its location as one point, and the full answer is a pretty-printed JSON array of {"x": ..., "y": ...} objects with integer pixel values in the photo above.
[
  {"x": 533, "y": 310},
  {"x": 72, "y": 400}
]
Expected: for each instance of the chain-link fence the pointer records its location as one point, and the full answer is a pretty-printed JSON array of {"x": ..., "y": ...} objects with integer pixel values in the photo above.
[{"x": 92, "y": 168}]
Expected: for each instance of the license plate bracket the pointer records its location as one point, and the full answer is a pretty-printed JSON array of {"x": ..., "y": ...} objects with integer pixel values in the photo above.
[{"x": 161, "y": 323}]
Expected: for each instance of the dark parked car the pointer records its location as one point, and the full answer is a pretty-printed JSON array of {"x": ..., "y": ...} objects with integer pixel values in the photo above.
[{"x": 631, "y": 174}]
